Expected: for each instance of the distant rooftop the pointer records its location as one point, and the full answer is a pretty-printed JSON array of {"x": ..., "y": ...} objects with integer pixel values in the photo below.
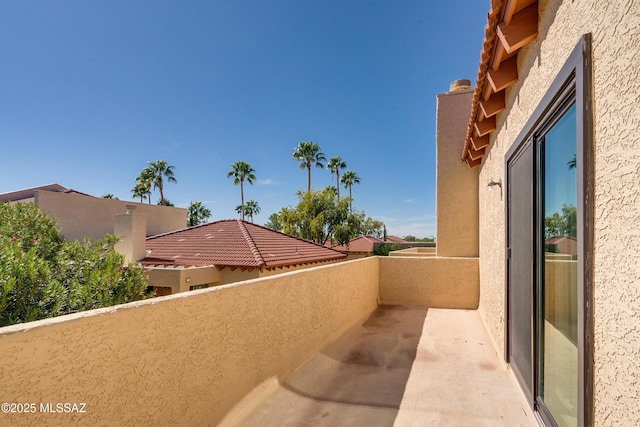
[
  {"x": 29, "y": 193},
  {"x": 235, "y": 244},
  {"x": 365, "y": 244}
]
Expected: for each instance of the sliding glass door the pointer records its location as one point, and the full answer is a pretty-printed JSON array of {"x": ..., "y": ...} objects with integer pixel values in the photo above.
[
  {"x": 549, "y": 249},
  {"x": 557, "y": 287}
]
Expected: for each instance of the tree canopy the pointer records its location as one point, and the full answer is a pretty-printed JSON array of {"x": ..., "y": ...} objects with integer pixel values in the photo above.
[
  {"x": 335, "y": 164},
  {"x": 562, "y": 224},
  {"x": 144, "y": 181},
  {"x": 251, "y": 208},
  {"x": 241, "y": 171},
  {"x": 274, "y": 222},
  {"x": 320, "y": 217},
  {"x": 308, "y": 153},
  {"x": 41, "y": 275},
  {"x": 159, "y": 170},
  {"x": 348, "y": 179},
  {"x": 197, "y": 213}
]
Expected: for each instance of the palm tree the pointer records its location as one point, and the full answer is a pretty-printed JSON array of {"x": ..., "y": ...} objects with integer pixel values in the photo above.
[
  {"x": 109, "y": 196},
  {"x": 140, "y": 190},
  {"x": 160, "y": 170},
  {"x": 335, "y": 164},
  {"x": 348, "y": 179},
  {"x": 252, "y": 209},
  {"x": 308, "y": 153},
  {"x": 241, "y": 171},
  {"x": 144, "y": 180},
  {"x": 197, "y": 213}
]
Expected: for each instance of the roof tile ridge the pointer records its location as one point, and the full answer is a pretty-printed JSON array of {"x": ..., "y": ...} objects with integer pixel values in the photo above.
[
  {"x": 300, "y": 239},
  {"x": 252, "y": 245}
]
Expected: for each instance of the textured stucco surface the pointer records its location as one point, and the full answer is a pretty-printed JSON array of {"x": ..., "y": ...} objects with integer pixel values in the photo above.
[
  {"x": 456, "y": 184},
  {"x": 181, "y": 279},
  {"x": 130, "y": 229},
  {"x": 79, "y": 216},
  {"x": 176, "y": 278},
  {"x": 615, "y": 28},
  {"x": 433, "y": 282},
  {"x": 185, "y": 357}
]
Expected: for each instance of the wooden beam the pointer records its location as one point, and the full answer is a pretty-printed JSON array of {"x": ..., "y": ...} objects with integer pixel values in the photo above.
[
  {"x": 486, "y": 126},
  {"x": 480, "y": 142},
  {"x": 521, "y": 30},
  {"x": 494, "y": 105},
  {"x": 474, "y": 163},
  {"x": 509, "y": 8},
  {"x": 475, "y": 155},
  {"x": 505, "y": 76}
]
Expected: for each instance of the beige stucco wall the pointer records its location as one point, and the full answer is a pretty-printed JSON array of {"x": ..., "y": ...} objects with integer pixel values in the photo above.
[
  {"x": 278, "y": 270},
  {"x": 79, "y": 216},
  {"x": 180, "y": 279},
  {"x": 356, "y": 256},
  {"x": 561, "y": 299},
  {"x": 615, "y": 26},
  {"x": 456, "y": 184},
  {"x": 185, "y": 358},
  {"x": 130, "y": 229},
  {"x": 416, "y": 252},
  {"x": 431, "y": 281}
]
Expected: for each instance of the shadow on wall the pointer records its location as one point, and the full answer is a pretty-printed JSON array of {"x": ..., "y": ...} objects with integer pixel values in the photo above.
[{"x": 367, "y": 368}]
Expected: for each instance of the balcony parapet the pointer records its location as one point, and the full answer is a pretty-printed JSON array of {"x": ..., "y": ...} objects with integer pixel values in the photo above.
[
  {"x": 434, "y": 282},
  {"x": 195, "y": 355}
]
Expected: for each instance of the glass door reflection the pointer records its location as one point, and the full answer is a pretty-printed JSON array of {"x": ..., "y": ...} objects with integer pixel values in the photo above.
[{"x": 558, "y": 284}]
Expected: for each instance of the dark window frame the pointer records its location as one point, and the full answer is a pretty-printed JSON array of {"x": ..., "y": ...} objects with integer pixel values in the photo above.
[{"x": 575, "y": 79}]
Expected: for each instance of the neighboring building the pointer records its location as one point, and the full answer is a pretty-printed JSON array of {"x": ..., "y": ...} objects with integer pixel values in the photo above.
[
  {"x": 226, "y": 251},
  {"x": 358, "y": 247},
  {"x": 395, "y": 239},
  {"x": 565, "y": 245},
  {"x": 362, "y": 246},
  {"x": 28, "y": 194},
  {"x": 80, "y": 215}
]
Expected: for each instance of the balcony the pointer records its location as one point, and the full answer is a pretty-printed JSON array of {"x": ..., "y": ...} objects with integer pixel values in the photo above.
[{"x": 376, "y": 341}]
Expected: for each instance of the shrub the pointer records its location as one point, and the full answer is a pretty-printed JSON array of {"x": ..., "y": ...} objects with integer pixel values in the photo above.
[
  {"x": 42, "y": 276},
  {"x": 383, "y": 250}
]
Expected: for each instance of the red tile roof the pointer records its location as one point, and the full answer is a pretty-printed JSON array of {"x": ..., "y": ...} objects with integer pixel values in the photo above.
[
  {"x": 365, "y": 244},
  {"x": 555, "y": 239},
  {"x": 395, "y": 239},
  {"x": 236, "y": 244},
  {"x": 362, "y": 244},
  {"x": 511, "y": 24}
]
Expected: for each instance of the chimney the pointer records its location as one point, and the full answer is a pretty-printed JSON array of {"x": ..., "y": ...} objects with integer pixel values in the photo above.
[
  {"x": 456, "y": 184},
  {"x": 462, "y": 84},
  {"x": 131, "y": 230}
]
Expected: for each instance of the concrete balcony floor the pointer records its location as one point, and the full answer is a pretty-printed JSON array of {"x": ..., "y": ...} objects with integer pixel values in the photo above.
[{"x": 404, "y": 366}]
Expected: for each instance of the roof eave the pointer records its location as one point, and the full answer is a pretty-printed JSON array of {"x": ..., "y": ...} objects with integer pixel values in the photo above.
[{"x": 511, "y": 25}]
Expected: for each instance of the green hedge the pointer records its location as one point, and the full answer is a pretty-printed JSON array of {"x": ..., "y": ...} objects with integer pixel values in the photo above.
[{"x": 42, "y": 276}]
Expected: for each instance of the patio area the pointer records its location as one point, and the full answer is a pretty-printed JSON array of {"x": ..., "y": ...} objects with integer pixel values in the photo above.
[{"x": 403, "y": 366}]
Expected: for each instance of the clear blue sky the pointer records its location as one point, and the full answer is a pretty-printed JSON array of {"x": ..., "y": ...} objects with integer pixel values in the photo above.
[{"x": 90, "y": 91}]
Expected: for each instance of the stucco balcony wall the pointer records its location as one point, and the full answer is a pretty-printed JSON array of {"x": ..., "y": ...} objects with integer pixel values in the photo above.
[
  {"x": 195, "y": 355},
  {"x": 415, "y": 252},
  {"x": 434, "y": 282}
]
